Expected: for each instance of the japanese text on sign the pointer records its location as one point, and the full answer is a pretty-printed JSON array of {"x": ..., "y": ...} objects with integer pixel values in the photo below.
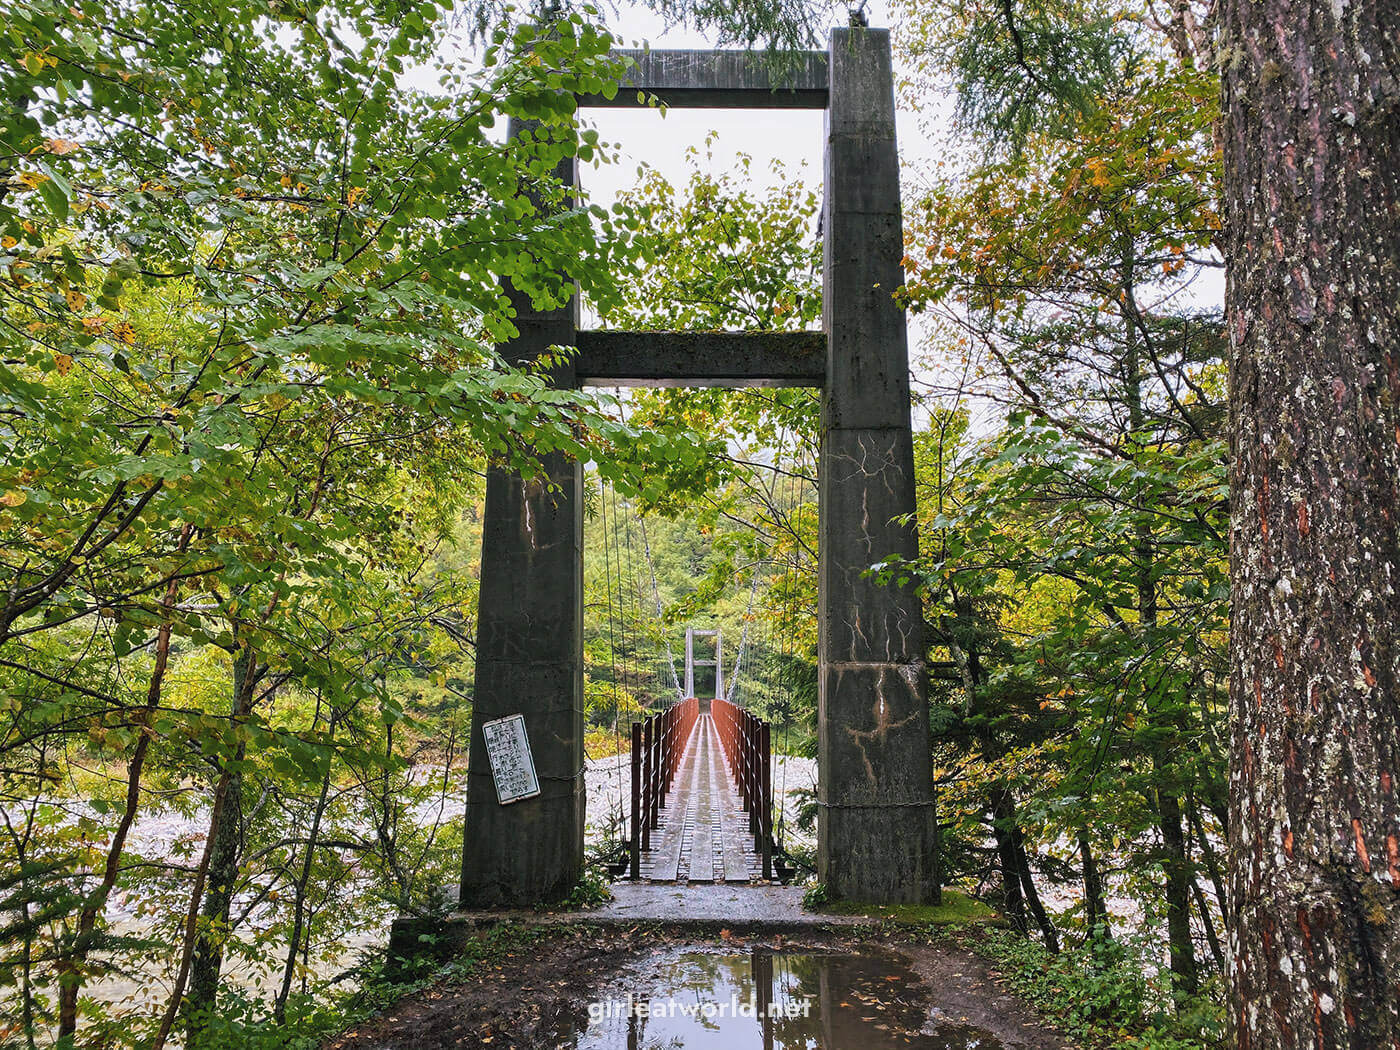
[{"x": 512, "y": 765}]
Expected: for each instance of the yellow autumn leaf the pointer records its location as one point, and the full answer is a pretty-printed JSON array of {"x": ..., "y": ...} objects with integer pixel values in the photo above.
[
  {"x": 33, "y": 179},
  {"x": 60, "y": 146},
  {"x": 8, "y": 242},
  {"x": 93, "y": 324},
  {"x": 76, "y": 300},
  {"x": 13, "y": 498},
  {"x": 123, "y": 331},
  {"x": 63, "y": 362}
]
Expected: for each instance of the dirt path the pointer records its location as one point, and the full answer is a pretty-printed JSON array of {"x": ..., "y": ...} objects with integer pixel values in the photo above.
[{"x": 876, "y": 991}]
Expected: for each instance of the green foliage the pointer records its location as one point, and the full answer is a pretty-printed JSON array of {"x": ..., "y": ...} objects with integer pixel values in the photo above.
[
  {"x": 727, "y": 255},
  {"x": 1024, "y": 68},
  {"x": 956, "y": 909},
  {"x": 252, "y": 283},
  {"x": 1073, "y": 541},
  {"x": 591, "y": 890},
  {"x": 725, "y": 258},
  {"x": 732, "y": 520},
  {"x": 1097, "y": 994},
  {"x": 781, "y": 25}
]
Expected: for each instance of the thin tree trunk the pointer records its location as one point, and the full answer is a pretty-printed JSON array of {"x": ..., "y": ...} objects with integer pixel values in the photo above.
[
  {"x": 1182, "y": 949},
  {"x": 1003, "y": 822},
  {"x": 1312, "y": 205},
  {"x": 1095, "y": 911},
  {"x": 1018, "y": 885},
  {"x": 208, "y": 958},
  {"x": 1208, "y": 924},
  {"x": 1212, "y": 864},
  {"x": 279, "y": 1012},
  {"x": 1185, "y": 979},
  {"x": 70, "y": 970},
  {"x": 177, "y": 993},
  {"x": 1042, "y": 920}
]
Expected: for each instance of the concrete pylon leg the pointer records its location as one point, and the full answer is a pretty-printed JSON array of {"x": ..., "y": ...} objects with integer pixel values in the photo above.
[
  {"x": 877, "y": 834},
  {"x": 530, "y": 657}
]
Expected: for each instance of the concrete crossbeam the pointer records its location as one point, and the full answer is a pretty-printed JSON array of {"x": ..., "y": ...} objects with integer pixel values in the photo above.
[
  {"x": 694, "y": 359},
  {"x": 720, "y": 80}
]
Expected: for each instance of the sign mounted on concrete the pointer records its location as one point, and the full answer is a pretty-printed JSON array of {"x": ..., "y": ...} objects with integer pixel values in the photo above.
[{"x": 512, "y": 765}]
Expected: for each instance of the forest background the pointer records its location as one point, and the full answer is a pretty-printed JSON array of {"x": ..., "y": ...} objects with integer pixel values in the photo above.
[{"x": 249, "y": 304}]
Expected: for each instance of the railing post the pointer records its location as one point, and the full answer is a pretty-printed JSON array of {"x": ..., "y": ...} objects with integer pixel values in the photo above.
[
  {"x": 657, "y": 781},
  {"x": 668, "y": 739},
  {"x": 672, "y": 718},
  {"x": 750, "y": 774},
  {"x": 636, "y": 757},
  {"x": 765, "y": 791},
  {"x": 648, "y": 774}
]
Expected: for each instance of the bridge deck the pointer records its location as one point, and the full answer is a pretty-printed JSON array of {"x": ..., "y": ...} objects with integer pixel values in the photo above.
[{"x": 704, "y": 832}]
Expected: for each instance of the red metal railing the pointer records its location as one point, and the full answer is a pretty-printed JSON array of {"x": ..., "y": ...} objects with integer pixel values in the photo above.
[
  {"x": 746, "y": 743},
  {"x": 658, "y": 743}
]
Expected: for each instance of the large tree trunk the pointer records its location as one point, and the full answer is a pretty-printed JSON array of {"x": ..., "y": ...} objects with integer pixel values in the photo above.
[{"x": 1312, "y": 185}]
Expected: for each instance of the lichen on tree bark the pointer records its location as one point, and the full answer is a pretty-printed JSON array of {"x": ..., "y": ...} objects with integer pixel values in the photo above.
[{"x": 1312, "y": 169}]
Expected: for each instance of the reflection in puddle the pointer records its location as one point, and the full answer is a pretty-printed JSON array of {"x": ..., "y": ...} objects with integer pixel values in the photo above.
[{"x": 773, "y": 1000}]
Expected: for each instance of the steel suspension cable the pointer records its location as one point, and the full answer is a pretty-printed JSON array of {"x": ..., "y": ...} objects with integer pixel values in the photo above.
[
  {"x": 788, "y": 638},
  {"x": 760, "y": 557},
  {"x": 656, "y": 598},
  {"x": 743, "y": 638},
  {"x": 612, "y": 647},
  {"x": 670, "y": 665}
]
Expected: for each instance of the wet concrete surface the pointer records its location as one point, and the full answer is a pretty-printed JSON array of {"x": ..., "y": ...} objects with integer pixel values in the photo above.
[
  {"x": 738, "y": 906},
  {"x": 735, "y": 904},
  {"x": 768, "y": 999}
]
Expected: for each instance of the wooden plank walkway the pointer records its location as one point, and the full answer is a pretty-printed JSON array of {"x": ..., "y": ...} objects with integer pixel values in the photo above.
[{"x": 703, "y": 834}]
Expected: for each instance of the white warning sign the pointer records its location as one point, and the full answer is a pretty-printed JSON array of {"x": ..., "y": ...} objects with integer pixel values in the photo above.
[{"x": 512, "y": 765}]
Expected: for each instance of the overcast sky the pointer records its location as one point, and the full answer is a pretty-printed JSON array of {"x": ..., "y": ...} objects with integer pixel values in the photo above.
[{"x": 793, "y": 136}]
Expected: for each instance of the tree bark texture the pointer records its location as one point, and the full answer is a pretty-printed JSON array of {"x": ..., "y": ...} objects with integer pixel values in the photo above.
[{"x": 1312, "y": 186}]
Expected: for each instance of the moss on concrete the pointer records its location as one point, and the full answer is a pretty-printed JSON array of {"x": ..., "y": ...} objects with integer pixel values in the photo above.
[{"x": 957, "y": 909}]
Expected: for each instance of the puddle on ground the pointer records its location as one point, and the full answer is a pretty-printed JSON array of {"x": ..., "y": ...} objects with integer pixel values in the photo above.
[{"x": 773, "y": 1000}]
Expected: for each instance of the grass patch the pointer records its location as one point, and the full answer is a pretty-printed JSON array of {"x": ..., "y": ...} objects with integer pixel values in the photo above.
[
  {"x": 957, "y": 909},
  {"x": 244, "y": 1022},
  {"x": 1101, "y": 994}
]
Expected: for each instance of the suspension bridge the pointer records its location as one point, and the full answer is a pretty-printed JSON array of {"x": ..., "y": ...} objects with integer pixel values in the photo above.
[
  {"x": 876, "y": 829},
  {"x": 700, "y": 768}
]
